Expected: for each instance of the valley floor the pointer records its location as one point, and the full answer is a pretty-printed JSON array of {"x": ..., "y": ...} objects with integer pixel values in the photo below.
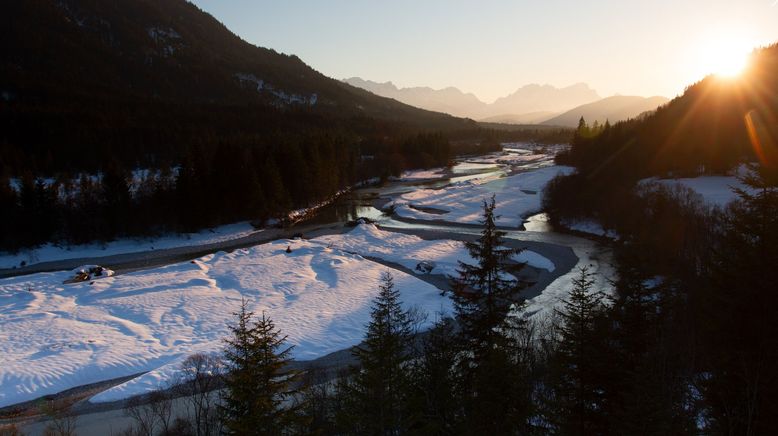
[{"x": 160, "y": 309}]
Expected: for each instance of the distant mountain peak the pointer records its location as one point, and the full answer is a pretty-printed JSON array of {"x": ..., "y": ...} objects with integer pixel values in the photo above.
[{"x": 532, "y": 98}]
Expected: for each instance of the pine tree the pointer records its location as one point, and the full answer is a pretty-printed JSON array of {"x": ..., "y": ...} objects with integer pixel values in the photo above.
[
  {"x": 275, "y": 193},
  {"x": 741, "y": 327},
  {"x": 435, "y": 380},
  {"x": 257, "y": 382},
  {"x": 115, "y": 199},
  {"x": 582, "y": 131},
  {"x": 580, "y": 359},
  {"x": 482, "y": 293},
  {"x": 492, "y": 382},
  {"x": 381, "y": 383},
  {"x": 9, "y": 215}
]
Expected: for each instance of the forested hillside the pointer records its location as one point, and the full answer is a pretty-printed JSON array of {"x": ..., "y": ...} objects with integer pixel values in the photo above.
[
  {"x": 705, "y": 130},
  {"x": 612, "y": 109},
  {"x": 136, "y": 117},
  {"x": 139, "y": 81},
  {"x": 693, "y": 320}
]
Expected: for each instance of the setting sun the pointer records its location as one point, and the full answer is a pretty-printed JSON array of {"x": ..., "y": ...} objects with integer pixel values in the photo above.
[{"x": 724, "y": 57}]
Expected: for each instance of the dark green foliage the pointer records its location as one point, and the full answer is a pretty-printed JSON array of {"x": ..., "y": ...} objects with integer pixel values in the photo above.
[
  {"x": 492, "y": 386},
  {"x": 212, "y": 185},
  {"x": 153, "y": 101},
  {"x": 377, "y": 395},
  {"x": 257, "y": 382},
  {"x": 482, "y": 293},
  {"x": 691, "y": 353},
  {"x": 742, "y": 334},
  {"x": 10, "y": 215},
  {"x": 140, "y": 81},
  {"x": 435, "y": 381},
  {"x": 580, "y": 386}
]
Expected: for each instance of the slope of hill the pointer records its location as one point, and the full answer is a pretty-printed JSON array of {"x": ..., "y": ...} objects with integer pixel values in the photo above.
[
  {"x": 75, "y": 67},
  {"x": 714, "y": 126},
  {"x": 166, "y": 49},
  {"x": 530, "y": 102},
  {"x": 616, "y": 108}
]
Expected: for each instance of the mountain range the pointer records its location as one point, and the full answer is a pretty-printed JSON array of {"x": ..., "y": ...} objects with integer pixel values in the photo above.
[
  {"x": 530, "y": 104},
  {"x": 527, "y": 99}
]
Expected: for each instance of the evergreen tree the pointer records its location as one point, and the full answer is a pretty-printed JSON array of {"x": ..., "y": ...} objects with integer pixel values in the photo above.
[
  {"x": 380, "y": 386},
  {"x": 493, "y": 385},
  {"x": 482, "y": 293},
  {"x": 257, "y": 382},
  {"x": 582, "y": 131},
  {"x": 435, "y": 380},
  {"x": 9, "y": 213},
  {"x": 115, "y": 200},
  {"x": 581, "y": 357},
  {"x": 275, "y": 192},
  {"x": 741, "y": 330}
]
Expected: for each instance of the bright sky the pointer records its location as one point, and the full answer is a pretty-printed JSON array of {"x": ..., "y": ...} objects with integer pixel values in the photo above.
[{"x": 492, "y": 47}]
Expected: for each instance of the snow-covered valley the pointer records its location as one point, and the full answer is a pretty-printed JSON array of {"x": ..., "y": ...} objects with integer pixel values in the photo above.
[{"x": 55, "y": 336}]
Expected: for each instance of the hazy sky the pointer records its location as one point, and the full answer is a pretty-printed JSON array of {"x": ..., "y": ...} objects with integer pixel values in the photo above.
[{"x": 492, "y": 47}]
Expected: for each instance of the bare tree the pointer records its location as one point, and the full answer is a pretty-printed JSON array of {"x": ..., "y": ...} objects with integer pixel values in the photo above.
[
  {"x": 161, "y": 404},
  {"x": 62, "y": 419},
  {"x": 151, "y": 413},
  {"x": 200, "y": 377},
  {"x": 315, "y": 400}
]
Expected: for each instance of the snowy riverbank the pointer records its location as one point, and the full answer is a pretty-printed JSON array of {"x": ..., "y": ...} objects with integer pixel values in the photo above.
[
  {"x": 55, "y": 336},
  {"x": 517, "y": 197}
]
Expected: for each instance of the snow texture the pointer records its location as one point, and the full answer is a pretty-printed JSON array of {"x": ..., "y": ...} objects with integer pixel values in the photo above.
[
  {"x": 715, "y": 190},
  {"x": 410, "y": 250},
  {"x": 55, "y": 336},
  {"x": 517, "y": 196}
]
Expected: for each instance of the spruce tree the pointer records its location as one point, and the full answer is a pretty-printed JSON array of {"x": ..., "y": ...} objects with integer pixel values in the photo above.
[
  {"x": 482, "y": 293},
  {"x": 9, "y": 215},
  {"x": 434, "y": 380},
  {"x": 257, "y": 382},
  {"x": 492, "y": 377},
  {"x": 741, "y": 330},
  {"x": 580, "y": 359},
  {"x": 115, "y": 192},
  {"x": 381, "y": 383}
]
